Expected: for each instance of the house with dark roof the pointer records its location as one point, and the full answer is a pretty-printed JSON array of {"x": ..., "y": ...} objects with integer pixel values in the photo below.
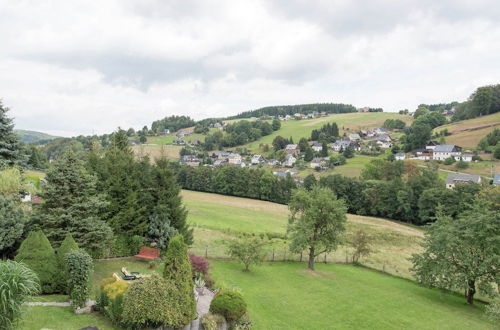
[
  {"x": 316, "y": 146},
  {"x": 461, "y": 178}
]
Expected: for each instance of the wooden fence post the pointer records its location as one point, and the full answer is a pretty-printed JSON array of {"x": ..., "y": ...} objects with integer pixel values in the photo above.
[
  {"x": 284, "y": 256},
  {"x": 301, "y": 256},
  {"x": 273, "y": 254},
  {"x": 325, "y": 257},
  {"x": 206, "y": 252}
]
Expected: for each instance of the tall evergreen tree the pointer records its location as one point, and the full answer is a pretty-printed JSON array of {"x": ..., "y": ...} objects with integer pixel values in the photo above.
[
  {"x": 71, "y": 204},
  {"x": 11, "y": 224},
  {"x": 10, "y": 150}
]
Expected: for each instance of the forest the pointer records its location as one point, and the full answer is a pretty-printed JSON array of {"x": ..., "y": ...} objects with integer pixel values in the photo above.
[{"x": 283, "y": 110}]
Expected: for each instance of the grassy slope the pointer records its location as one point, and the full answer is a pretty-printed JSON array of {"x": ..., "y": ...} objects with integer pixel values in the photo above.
[
  {"x": 286, "y": 296},
  {"x": 208, "y": 214},
  {"x": 33, "y": 136},
  {"x": 468, "y": 133},
  {"x": 302, "y": 128}
]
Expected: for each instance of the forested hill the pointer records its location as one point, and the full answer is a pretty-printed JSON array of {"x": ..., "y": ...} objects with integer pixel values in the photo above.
[
  {"x": 283, "y": 110},
  {"x": 484, "y": 101},
  {"x": 33, "y": 136}
]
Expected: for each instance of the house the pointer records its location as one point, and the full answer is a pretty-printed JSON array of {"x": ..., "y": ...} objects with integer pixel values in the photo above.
[
  {"x": 219, "y": 162},
  {"x": 218, "y": 126},
  {"x": 317, "y": 146},
  {"x": 466, "y": 157},
  {"x": 443, "y": 151},
  {"x": 291, "y": 171},
  {"x": 354, "y": 137},
  {"x": 190, "y": 160},
  {"x": 257, "y": 159},
  {"x": 422, "y": 154},
  {"x": 234, "y": 158},
  {"x": 281, "y": 174},
  {"x": 461, "y": 178},
  {"x": 292, "y": 149},
  {"x": 319, "y": 162},
  {"x": 289, "y": 161},
  {"x": 431, "y": 145},
  {"x": 384, "y": 141},
  {"x": 342, "y": 145},
  {"x": 400, "y": 156},
  {"x": 221, "y": 155},
  {"x": 273, "y": 162},
  {"x": 496, "y": 179}
]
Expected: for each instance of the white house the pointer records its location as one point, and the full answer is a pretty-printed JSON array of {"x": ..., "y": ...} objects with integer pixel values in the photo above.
[
  {"x": 290, "y": 161},
  {"x": 431, "y": 145},
  {"x": 292, "y": 149},
  {"x": 384, "y": 141},
  {"x": 319, "y": 162},
  {"x": 234, "y": 158},
  {"x": 317, "y": 146},
  {"x": 342, "y": 145},
  {"x": 466, "y": 157},
  {"x": 443, "y": 151},
  {"x": 257, "y": 159},
  {"x": 461, "y": 178},
  {"x": 400, "y": 156}
]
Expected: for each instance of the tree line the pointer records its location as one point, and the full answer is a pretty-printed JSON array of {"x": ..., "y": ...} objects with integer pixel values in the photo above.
[
  {"x": 283, "y": 110},
  {"x": 172, "y": 123}
]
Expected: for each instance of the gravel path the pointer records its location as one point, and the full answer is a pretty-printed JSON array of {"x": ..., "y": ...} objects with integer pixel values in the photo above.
[{"x": 47, "y": 303}]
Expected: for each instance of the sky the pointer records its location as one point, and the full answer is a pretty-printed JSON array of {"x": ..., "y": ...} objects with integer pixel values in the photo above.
[{"x": 88, "y": 67}]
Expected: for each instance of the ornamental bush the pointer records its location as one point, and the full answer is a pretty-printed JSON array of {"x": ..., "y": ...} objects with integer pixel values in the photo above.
[
  {"x": 179, "y": 274},
  {"x": 229, "y": 304},
  {"x": 80, "y": 269},
  {"x": 198, "y": 264},
  {"x": 37, "y": 253},
  {"x": 18, "y": 282},
  {"x": 152, "y": 302},
  {"x": 110, "y": 300},
  {"x": 68, "y": 245}
]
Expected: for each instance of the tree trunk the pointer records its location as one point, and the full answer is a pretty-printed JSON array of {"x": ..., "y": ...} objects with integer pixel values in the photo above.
[
  {"x": 471, "y": 290},
  {"x": 310, "y": 265}
]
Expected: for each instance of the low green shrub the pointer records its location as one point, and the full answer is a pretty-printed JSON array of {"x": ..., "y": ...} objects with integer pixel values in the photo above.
[
  {"x": 37, "y": 253},
  {"x": 110, "y": 298},
  {"x": 80, "y": 267},
  {"x": 211, "y": 321},
  {"x": 229, "y": 304},
  {"x": 449, "y": 161}
]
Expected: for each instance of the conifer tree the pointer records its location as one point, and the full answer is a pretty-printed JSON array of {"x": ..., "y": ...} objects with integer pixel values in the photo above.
[
  {"x": 9, "y": 143},
  {"x": 67, "y": 246},
  {"x": 37, "y": 253},
  {"x": 11, "y": 224},
  {"x": 178, "y": 272},
  {"x": 71, "y": 204}
]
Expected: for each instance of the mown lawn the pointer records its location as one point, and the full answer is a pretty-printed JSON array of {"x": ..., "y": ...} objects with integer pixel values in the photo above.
[
  {"x": 61, "y": 318},
  {"x": 287, "y": 296}
]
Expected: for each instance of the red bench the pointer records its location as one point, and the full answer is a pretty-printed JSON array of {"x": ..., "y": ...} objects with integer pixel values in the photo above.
[{"x": 148, "y": 253}]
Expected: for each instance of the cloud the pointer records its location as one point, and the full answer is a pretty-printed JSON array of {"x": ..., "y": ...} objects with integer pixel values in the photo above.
[{"x": 81, "y": 67}]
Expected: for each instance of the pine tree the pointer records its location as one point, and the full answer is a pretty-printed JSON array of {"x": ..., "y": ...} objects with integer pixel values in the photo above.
[
  {"x": 37, "y": 253},
  {"x": 178, "y": 272},
  {"x": 10, "y": 150},
  {"x": 71, "y": 204}
]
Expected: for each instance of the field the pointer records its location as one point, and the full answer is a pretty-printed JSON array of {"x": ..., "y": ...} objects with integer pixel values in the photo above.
[
  {"x": 157, "y": 151},
  {"x": 346, "y": 122},
  {"x": 287, "y": 296},
  {"x": 468, "y": 133},
  {"x": 393, "y": 242}
]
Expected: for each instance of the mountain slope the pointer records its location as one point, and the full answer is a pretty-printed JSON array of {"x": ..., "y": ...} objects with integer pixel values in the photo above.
[{"x": 32, "y": 136}]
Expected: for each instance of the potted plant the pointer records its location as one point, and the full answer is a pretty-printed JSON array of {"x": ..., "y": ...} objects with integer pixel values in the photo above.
[{"x": 199, "y": 283}]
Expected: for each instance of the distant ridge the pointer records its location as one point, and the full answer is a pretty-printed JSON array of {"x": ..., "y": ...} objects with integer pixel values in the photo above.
[{"x": 33, "y": 137}]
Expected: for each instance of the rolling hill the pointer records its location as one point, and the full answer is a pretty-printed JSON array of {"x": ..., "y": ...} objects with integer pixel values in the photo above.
[
  {"x": 468, "y": 133},
  {"x": 32, "y": 136}
]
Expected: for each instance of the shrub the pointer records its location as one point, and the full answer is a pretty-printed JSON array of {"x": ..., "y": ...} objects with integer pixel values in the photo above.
[
  {"x": 18, "y": 283},
  {"x": 80, "y": 269},
  {"x": 178, "y": 273},
  {"x": 135, "y": 244},
  {"x": 198, "y": 264},
  {"x": 449, "y": 161},
  {"x": 211, "y": 321},
  {"x": 11, "y": 224},
  {"x": 493, "y": 310},
  {"x": 68, "y": 245},
  {"x": 248, "y": 251},
  {"x": 37, "y": 253},
  {"x": 120, "y": 247},
  {"x": 461, "y": 165},
  {"x": 152, "y": 302},
  {"x": 113, "y": 292},
  {"x": 229, "y": 304}
]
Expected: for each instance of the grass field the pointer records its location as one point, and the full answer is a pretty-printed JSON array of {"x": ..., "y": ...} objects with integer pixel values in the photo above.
[
  {"x": 468, "y": 133},
  {"x": 157, "y": 151},
  {"x": 352, "y": 121},
  {"x": 287, "y": 296},
  {"x": 393, "y": 242}
]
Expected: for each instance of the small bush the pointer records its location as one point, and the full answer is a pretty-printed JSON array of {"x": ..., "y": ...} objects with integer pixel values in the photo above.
[
  {"x": 135, "y": 244},
  {"x": 37, "y": 253},
  {"x": 449, "y": 161},
  {"x": 198, "y": 264},
  {"x": 80, "y": 269},
  {"x": 229, "y": 304},
  {"x": 461, "y": 165},
  {"x": 211, "y": 321},
  {"x": 120, "y": 247},
  {"x": 114, "y": 293},
  {"x": 493, "y": 310}
]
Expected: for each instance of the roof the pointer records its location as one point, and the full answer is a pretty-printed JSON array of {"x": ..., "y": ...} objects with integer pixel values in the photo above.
[
  {"x": 354, "y": 136},
  {"x": 432, "y": 143},
  {"x": 291, "y": 146},
  {"x": 318, "y": 160},
  {"x": 462, "y": 177},
  {"x": 256, "y": 156},
  {"x": 400, "y": 155},
  {"x": 445, "y": 148},
  {"x": 496, "y": 179},
  {"x": 317, "y": 144}
]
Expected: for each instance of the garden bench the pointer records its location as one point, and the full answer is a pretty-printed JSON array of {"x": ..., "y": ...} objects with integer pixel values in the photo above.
[{"x": 148, "y": 253}]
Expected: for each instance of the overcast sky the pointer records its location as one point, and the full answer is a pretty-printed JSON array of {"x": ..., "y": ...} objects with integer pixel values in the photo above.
[{"x": 83, "y": 67}]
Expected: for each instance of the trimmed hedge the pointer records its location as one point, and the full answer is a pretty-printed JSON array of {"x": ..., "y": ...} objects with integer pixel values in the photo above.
[
  {"x": 229, "y": 304},
  {"x": 37, "y": 253},
  {"x": 68, "y": 245},
  {"x": 80, "y": 267}
]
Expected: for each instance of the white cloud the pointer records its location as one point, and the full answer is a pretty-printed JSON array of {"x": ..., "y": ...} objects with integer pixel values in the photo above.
[{"x": 81, "y": 67}]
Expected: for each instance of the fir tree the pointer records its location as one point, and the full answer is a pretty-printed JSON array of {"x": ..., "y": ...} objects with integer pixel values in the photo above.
[
  {"x": 10, "y": 151},
  {"x": 71, "y": 204},
  {"x": 11, "y": 224},
  {"x": 160, "y": 232}
]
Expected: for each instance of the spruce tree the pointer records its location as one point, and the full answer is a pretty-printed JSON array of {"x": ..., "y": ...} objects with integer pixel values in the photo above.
[
  {"x": 178, "y": 272},
  {"x": 37, "y": 253},
  {"x": 10, "y": 150},
  {"x": 71, "y": 204},
  {"x": 67, "y": 246},
  {"x": 168, "y": 201},
  {"x": 11, "y": 224}
]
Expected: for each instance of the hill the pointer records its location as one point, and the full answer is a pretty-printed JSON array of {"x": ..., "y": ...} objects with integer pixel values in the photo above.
[
  {"x": 468, "y": 133},
  {"x": 32, "y": 136}
]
